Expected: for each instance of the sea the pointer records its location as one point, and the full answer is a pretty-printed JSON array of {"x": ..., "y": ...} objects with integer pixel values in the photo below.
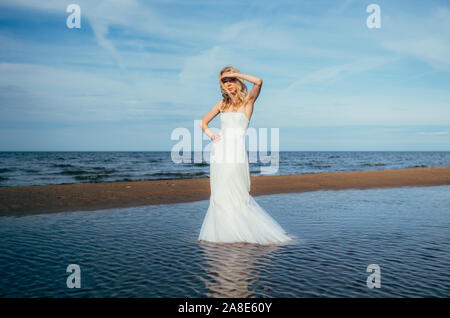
[
  {"x": 385, "y": 242},
  {"x": 49, "y": 168},
  {"x": 371, "y": 243}
]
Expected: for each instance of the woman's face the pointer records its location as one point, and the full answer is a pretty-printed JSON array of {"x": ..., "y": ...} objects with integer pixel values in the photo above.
[{"x": 229, "y": 82}]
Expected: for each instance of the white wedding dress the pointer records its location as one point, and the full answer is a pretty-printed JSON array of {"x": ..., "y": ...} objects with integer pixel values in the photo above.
[{"x": 233, "y": 215}]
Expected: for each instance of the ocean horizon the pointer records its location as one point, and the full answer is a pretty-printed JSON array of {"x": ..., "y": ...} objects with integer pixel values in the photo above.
[{"x": 27, "y": 168}]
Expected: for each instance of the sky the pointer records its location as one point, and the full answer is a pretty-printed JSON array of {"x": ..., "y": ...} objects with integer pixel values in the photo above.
[{"x": 137, "y": 70}]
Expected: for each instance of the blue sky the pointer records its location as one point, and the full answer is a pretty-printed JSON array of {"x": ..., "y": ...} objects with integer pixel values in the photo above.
[{"x": 136, "y": 70}]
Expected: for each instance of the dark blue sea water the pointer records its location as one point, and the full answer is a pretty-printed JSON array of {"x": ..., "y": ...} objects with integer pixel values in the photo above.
[
  {"x": 152, "y": 251},
  {"x": 41, "y": 168}
]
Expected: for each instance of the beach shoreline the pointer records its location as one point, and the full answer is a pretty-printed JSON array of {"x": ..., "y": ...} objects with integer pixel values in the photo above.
[{"x": 29, "y": 200}]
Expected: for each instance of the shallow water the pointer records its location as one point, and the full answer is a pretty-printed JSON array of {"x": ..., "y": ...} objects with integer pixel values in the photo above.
[{"x": 153, "y": 251}]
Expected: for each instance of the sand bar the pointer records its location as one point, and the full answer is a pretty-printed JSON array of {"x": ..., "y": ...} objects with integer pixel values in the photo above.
[{"x": 19, "y": 201}]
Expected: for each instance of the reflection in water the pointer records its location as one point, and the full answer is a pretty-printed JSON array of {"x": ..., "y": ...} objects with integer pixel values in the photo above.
[
  {"x": 155, "y": 253},
  {"x": 232, "y": 268}
]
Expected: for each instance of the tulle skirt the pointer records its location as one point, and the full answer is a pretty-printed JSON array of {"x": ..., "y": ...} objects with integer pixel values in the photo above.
[{"x": 233, "y": 214}]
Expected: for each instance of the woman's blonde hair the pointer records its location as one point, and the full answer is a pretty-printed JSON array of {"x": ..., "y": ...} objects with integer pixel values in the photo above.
[{"x": 241, "y": 95}]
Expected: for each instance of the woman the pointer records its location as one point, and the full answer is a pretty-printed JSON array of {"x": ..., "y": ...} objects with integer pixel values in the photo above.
[{"x": 233, "y": 215}]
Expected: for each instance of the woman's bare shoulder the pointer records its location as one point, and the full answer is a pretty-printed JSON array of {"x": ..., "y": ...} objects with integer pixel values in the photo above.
[{"x": 218, "y": 105}]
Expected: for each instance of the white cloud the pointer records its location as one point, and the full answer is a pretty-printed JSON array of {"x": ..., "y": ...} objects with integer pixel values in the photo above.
[
  {"x": 330, "y": 73},
  {"x": 205, "y": 65},
  {"x": 54, "y": 94},
  {"x": 434, "y": 133},
  {"x": 254, "y": 45},
  {"x": 425, "y": 38},
  {"x": 101, "y": 15}
]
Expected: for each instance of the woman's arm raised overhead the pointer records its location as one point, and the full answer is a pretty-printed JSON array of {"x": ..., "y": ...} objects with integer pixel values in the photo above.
[{"x": 257, "y": 81}]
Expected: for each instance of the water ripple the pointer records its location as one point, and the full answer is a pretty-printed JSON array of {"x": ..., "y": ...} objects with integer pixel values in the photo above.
[{"x": 152, "y": 251}]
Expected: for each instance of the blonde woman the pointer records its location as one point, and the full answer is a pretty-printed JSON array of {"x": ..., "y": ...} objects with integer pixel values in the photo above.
[{"x": 233, "y": 215}]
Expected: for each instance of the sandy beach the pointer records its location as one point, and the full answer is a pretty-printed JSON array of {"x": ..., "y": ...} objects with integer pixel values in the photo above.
[{"x": 18, "y": 201}]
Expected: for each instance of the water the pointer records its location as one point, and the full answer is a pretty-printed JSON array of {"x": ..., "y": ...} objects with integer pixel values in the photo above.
[
  {"x": 152, "y": 251},
  {"x": 44, "y": 168}
]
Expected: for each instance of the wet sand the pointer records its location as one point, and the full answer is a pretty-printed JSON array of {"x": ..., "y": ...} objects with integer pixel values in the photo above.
[{"x": 18, "y": 201}]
